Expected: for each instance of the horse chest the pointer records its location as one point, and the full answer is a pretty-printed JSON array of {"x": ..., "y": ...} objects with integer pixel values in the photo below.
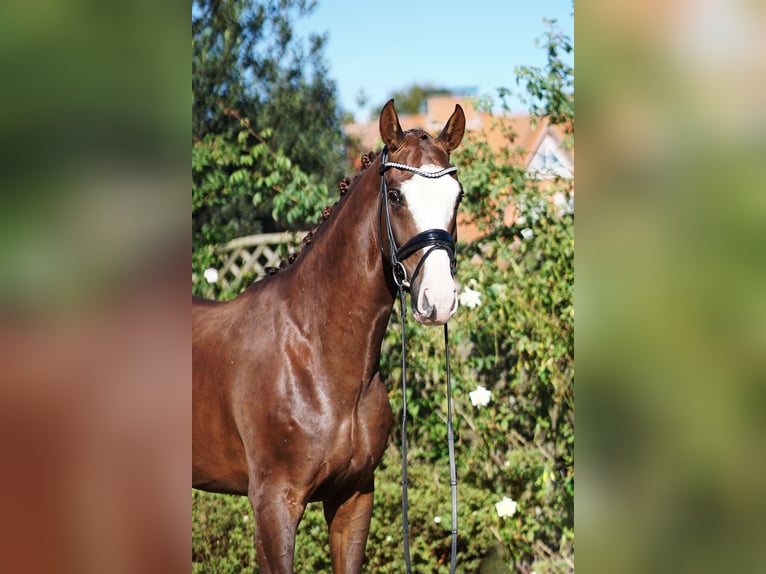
[{"x": 354, "y": 445}]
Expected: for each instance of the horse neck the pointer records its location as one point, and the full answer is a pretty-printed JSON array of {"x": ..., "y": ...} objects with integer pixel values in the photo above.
[{"x": 341, "y": 274}]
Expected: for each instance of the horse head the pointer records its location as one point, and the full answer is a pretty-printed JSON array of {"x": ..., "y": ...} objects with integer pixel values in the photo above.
[{"x": 420, "y": 193}]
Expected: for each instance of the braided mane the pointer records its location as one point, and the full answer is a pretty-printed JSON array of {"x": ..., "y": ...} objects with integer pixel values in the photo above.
[{"x": 344, "y": 185}]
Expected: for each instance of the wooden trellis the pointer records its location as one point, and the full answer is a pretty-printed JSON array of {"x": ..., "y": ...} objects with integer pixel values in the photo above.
[{"x": 251, "y": 255}]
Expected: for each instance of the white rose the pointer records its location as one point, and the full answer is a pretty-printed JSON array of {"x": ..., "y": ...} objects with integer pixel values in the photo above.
[
  {"x": 211, "y": 275},
  {"x": 480, "y": 397},
  {"x": 470, "y": 298},
  {"x": 506, "y": 507}
]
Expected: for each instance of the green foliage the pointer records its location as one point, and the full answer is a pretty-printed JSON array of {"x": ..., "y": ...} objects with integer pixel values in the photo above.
[
  {"x": 551, "y": 88},
  {"x": 518, "y": 344},
  {"x": 265, "y": 122},
  {"x": 243, "y": 53},
  {"x": 223, "y": 534},
  {"x": 227, "y": 194},
  {"x": 225, "y": 188}
]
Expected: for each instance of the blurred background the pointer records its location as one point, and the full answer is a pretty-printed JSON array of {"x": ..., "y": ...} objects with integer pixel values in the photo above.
[
  {"x": 94, "y": 328},
  {"x": 670, "y": 281}
]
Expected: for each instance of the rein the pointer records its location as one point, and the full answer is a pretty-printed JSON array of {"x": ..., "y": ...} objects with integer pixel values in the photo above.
[{"x": 431, "y": 240}]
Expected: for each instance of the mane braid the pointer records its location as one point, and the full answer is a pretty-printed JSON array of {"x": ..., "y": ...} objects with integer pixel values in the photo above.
[{"x": 344, "y": 185}]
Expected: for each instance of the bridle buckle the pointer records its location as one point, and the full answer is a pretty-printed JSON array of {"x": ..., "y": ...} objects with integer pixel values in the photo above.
[{"x": 400, "y": 275}]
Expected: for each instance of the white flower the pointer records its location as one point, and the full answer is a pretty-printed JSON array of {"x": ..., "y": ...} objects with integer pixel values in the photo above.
[
  {"x": 527, "y": 232},
  {"x": 245, "y": 518},
  {"x": 480, "y": 397},
  {"x": 470, "y": 298},
  {"x": 211, "y": 275},
  {"x": 437, "y": 519},
  {"x": 506, "y": 507},
  {"x": 563, "y": 203}
]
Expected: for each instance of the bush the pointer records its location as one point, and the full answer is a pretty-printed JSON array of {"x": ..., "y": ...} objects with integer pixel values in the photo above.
[
  {"x": 517, "y": 343},
  {"x": 223, "y": 535}
]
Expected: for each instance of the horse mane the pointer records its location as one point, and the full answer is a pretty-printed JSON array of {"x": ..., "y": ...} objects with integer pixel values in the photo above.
[{"x": 344, "y": 185}]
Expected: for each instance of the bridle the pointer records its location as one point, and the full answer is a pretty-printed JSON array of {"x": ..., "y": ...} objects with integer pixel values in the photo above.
[{"x": 431, "y": 240}]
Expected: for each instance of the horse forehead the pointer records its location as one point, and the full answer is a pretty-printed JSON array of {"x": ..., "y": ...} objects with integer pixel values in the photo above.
[
  {"x": 431, "y": 201},
  {"x": 420, "y": 148}
]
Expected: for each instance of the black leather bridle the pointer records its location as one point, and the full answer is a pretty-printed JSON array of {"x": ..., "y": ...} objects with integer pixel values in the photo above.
[{"x": 431, "y": 239}]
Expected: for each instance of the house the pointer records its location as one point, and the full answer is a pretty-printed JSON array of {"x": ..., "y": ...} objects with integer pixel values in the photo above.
[{"x": 539, "y": 146}]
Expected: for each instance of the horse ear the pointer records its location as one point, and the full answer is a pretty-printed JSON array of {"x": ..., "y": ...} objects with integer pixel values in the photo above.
[
  {"x": 452, "y": 134},
  {"x": 390, "y": 130}
]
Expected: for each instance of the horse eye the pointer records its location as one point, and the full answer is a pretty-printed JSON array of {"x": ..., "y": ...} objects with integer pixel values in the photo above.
[{"x": 395, "y": 196}]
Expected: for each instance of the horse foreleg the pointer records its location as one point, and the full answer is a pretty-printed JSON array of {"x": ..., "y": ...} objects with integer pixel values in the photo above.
[
  {"x": 277, "y": 514},
  {"x": 349, "y": 523}
]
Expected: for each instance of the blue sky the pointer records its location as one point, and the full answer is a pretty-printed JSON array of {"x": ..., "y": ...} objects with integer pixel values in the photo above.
[{"x": 381, "y": 47}]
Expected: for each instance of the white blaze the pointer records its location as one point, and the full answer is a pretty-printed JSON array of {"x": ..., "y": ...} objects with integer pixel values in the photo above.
[{"x": 431, "y": 202}]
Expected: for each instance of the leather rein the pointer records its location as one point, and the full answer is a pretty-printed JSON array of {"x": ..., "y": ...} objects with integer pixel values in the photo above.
[{"x": 431, "y": 240}]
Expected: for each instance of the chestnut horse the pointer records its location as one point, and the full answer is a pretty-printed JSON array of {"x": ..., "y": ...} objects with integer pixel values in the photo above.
[{"x": 288, "y": 404}]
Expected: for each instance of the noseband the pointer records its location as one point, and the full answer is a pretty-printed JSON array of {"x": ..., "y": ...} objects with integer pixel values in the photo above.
[{"x": 431, "y": 239}]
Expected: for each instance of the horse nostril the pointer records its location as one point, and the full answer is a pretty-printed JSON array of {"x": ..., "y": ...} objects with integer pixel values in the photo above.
[
  {"x": 426, "y": 308},
  {"x": 454, "y": 303}
]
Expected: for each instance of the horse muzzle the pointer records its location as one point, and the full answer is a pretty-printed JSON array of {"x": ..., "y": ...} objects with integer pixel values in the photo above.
[{"x": 434, "y": 295}]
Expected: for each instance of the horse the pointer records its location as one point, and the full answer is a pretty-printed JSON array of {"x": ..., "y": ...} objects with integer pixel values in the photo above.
[{"x": 288, "y": 405}]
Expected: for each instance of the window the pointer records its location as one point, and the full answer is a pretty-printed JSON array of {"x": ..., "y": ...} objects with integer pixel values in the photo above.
[{"x": 550, "y": 160}]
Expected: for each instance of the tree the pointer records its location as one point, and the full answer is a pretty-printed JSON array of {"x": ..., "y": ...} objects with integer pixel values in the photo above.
[
  {"x": 412, "y": 99},
  {"x": 551, "y": 89},
  {"x": 264, "y": 115}
]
